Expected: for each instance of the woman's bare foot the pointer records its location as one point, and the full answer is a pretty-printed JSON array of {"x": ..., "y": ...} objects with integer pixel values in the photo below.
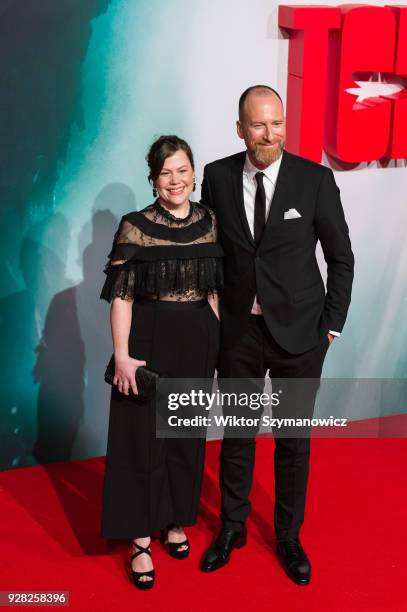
[
  {"x": 177, "y": 534},
  {"x": 143, "y": 561}
]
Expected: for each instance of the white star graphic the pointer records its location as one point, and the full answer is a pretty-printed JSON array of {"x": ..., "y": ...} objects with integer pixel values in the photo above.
[{"x": 374, "y": 89}]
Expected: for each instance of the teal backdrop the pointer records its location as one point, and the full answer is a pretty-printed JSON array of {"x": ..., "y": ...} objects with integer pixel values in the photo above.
[{"x": 86, "y": 85}]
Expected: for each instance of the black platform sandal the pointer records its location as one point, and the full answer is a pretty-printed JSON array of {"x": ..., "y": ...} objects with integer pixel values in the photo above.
[
  {"x": 174, "y": 547},
  {"x": 142, "y": 584}
]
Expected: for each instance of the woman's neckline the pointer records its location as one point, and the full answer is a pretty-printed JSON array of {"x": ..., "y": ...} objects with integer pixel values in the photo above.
[{"x": 168, "y": 215}]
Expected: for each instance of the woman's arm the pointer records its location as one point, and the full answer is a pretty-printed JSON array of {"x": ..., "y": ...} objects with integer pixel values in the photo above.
[
  {"x": 125, "y": 366},
  {"x": 213, "y": 300}
]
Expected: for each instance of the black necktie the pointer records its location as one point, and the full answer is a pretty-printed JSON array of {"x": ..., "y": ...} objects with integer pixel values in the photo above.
[{"x": 259, "y": 209}]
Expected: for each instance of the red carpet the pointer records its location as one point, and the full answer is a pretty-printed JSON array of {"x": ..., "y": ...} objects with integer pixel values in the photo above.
[{"x": 355, "y": 535}]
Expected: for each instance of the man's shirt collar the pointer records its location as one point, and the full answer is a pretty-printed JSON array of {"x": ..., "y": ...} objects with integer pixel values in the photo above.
[{"x": 270, "y": 172}]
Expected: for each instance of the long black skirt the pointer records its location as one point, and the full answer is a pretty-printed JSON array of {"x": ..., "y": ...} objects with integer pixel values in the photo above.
[{"x": 152, "y": 482}]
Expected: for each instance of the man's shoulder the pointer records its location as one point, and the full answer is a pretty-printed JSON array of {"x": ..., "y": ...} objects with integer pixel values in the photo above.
[
  {"x": 305, "y": 164},
  {"x": 226, "y": 162},
  {"x": 237, "y": 161}
]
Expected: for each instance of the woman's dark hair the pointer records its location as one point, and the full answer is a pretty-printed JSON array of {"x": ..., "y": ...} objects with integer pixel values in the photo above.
[{"x": 164, "y": 147}]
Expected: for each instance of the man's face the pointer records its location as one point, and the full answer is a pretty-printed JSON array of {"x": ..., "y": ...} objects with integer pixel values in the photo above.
[{"x": 262, "y": 127}]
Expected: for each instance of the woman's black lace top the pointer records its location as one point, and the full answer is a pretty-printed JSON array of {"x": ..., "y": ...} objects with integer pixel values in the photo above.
[{"x": 156, "y": 254}]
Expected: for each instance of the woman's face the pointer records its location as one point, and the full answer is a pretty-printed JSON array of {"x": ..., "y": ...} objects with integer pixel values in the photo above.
[{"x": 176, "y": 180}]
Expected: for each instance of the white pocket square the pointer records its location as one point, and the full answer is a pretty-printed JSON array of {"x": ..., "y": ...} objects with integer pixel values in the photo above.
[{"x": 291, "y": 214}]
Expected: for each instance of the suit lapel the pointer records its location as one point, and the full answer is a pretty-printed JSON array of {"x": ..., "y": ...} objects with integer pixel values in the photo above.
[
  {"x": 237, "y": 180},
  {"x": 280, "y": 195}
]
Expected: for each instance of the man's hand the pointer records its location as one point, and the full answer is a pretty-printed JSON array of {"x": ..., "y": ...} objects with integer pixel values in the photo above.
[{"x": 331, "y": 338}]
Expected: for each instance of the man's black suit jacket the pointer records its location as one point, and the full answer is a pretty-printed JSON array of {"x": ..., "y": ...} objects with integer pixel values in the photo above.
[{"x": 283, "y": 271}]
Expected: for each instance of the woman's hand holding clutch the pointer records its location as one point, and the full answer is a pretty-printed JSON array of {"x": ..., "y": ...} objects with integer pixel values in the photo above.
[{"x": 124, "y": 376}]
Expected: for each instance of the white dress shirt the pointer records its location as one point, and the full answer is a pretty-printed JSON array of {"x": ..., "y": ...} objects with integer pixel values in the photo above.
[{"x": 249, "y": 196}]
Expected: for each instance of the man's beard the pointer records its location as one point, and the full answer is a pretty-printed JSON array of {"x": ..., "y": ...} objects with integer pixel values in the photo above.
[{"x": 267, "y": 155}]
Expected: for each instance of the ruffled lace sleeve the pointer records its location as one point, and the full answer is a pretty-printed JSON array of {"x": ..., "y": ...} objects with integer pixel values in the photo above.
[
  {"x": 157, "y": 254},
  {"x": 120, "y": 276}
]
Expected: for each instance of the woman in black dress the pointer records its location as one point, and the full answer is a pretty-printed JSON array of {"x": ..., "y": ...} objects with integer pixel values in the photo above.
[{"x": 163, "y": 274}]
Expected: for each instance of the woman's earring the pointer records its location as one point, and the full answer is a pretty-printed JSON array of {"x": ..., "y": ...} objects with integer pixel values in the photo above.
[
  {"x": 194, "y": 187},
  {"x": 154, "y": 192}
]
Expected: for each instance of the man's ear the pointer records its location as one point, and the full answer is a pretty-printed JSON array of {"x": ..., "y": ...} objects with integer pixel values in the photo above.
[{"x": 239, "y": 129}]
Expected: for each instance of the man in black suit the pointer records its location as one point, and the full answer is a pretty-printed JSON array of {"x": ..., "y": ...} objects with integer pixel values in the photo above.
[{"x": 272, "y": 208}]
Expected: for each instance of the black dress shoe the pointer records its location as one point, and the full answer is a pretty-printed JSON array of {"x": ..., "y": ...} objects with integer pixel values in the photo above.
[
  {"x": 295, "y": 561},
  {"x": 218, "y": 554}
]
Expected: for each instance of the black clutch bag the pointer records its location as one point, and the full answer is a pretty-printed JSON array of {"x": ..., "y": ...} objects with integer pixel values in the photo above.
[{"x": 146, "y": 379}]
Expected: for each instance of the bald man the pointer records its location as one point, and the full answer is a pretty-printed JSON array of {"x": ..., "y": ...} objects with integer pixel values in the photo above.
[{"x": 272, "y": 209}]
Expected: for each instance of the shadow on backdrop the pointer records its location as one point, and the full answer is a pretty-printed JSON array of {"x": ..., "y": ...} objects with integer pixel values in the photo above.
[
  {"x": 73, "y": 403},
  {"x": 21, "y": 321},
  {"x": 41, "y": 55}
]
